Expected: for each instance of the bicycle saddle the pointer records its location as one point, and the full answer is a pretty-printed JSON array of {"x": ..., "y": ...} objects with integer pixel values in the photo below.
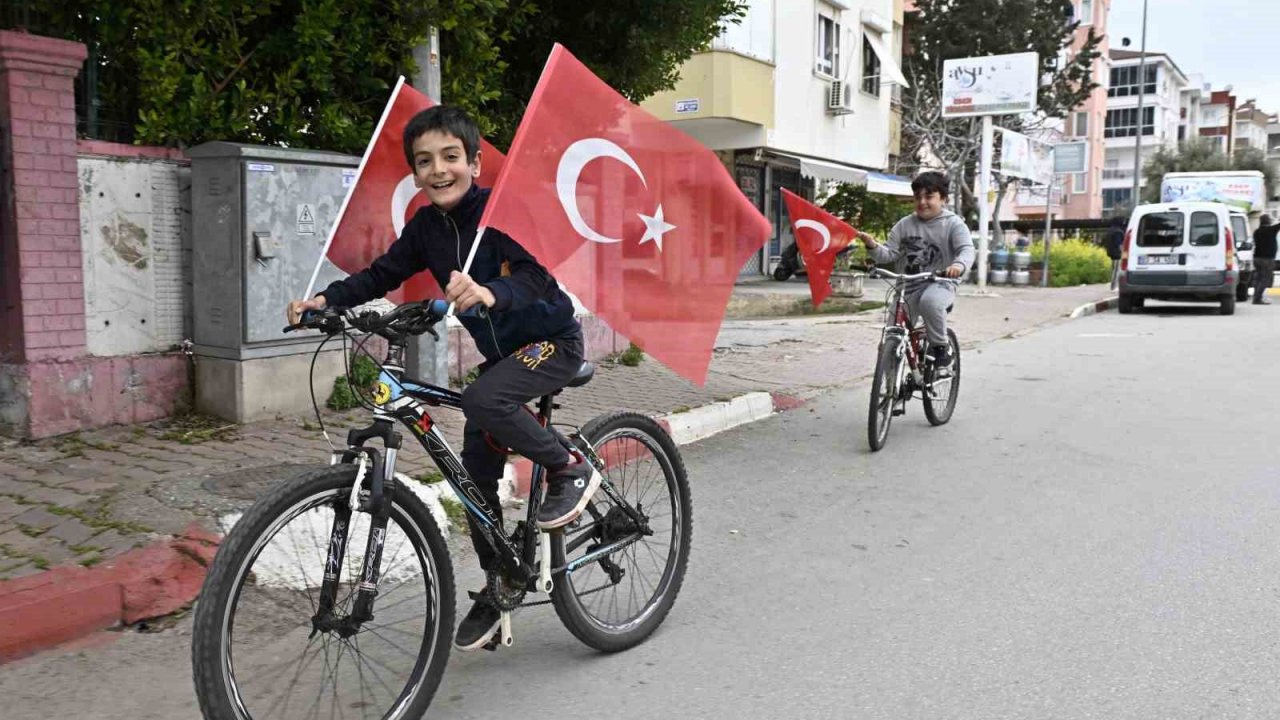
[{"x": 585, "y": 373}]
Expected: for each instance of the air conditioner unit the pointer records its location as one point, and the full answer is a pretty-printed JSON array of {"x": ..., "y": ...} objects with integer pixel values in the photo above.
[{"x": 840, "y": 98}]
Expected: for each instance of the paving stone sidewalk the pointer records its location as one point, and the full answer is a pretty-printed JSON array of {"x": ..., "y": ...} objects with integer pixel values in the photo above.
[{"x": 84, "y": 498}]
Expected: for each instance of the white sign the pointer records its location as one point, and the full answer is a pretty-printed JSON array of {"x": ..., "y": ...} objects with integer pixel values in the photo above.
[
  {"x": 1244, "y": 189},
  {"x": 1071, "y": 157},
  {"x": 261, "y": 167},
  {"x": 306, "y": 219},
  {"x": 991, "y": 85},
  {"x": 687, "y": 106},
  {"x": 348, "y": 178},
  {"x": 1022, "y": 157}
]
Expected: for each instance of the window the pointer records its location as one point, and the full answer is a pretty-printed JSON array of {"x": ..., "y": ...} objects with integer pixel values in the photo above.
[
  {"x": 1080, "y": 183},
  {"x": 1204, "y": 229},
  {"x": 1082, "y": 124},
  {"x": 1123, "y": 122},
  {"x": 1115, "y": 197},
  {"x": 1239, "y": 228},
  {"x": 870, "y": 69},
  {"x": 1124, "y": 81},
  {"x": 828, "y": 62},
  {"x": 1182, "y": 133},
  {"x": 1162, "y": 229},
  {"x": 1086, "y": 12}
]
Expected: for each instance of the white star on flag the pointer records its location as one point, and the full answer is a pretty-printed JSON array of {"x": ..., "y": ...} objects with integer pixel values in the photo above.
[{"x": 655, "y": 226}]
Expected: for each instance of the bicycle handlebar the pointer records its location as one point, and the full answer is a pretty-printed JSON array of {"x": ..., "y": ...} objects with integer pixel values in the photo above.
[
  {"x": 413, "y": 318},
  {"x": 889, "y": 275}
]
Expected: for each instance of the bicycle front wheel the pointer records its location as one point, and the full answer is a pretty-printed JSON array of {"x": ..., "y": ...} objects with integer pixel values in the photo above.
[
  {"x": 940, "y": 396},
  {"x": 256, "y": 652},
  {"x": 614, "y": 601},
  {"x": 884, "y": 391}
]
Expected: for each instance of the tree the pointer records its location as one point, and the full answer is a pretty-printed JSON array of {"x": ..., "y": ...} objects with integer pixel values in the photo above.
[
  {"x": 947, "y": 29},
  {"x": 870, "y": 212},
  {"x": 317, "y": 73},
  {"x": 1202, "y": 155}
]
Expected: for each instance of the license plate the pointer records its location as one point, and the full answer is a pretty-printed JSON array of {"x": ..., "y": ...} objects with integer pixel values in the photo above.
[{"x": 1158, "y": 260}]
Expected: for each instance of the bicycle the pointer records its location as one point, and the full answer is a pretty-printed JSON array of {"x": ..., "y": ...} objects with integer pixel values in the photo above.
[
  {"x": 283, "y": 582},
  {"x": 895, "y": 382}
]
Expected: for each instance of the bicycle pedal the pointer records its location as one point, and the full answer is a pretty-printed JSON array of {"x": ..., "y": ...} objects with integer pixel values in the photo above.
[{"x": 492, "y": 645}]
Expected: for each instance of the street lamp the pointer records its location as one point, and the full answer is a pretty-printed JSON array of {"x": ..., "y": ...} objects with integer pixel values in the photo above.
[{"x": 1142, "y": 86}]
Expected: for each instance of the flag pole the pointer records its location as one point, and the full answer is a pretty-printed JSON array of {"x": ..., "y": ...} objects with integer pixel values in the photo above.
[
  {"x": 471, "y": 255},
  {"x": 333, "y": 229}
]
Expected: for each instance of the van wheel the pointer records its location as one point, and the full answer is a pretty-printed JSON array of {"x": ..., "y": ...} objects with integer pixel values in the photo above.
[
  {"x": 1126, "y": 304},
  {"x": 781, "y": 273},
  {"x": 1228, "y": 305},
  {"x": 1242, "y": 292}
]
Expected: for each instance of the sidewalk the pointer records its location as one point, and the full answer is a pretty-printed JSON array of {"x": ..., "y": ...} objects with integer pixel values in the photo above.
[{"x": 115, "y": 525}]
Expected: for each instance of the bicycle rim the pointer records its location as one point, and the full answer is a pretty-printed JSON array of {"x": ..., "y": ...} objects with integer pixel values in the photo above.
[
  {"x": 642, "y": 472},
  {"x": 883, "y": 394},
  {"x": 275, "y": 667},
  {"x": 940, "y": 401}
]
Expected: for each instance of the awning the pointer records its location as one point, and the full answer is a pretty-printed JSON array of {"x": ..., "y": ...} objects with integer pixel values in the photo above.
[
  {"x": 889, "y": 184},
  {"x": 825, "y": 170},
  {"x": 888, "y": 65}
]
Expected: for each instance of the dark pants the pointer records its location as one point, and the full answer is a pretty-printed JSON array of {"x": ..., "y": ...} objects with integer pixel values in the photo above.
[
  {"x": 495, "y": 404},
  {"x": 1264, "y": 274}
]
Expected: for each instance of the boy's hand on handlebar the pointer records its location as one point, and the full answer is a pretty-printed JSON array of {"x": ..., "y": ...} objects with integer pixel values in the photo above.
[
  {"x": 954, "y": 270},
  {"x": 466, "y": 292},
  {"x": 297, "y": 307}
]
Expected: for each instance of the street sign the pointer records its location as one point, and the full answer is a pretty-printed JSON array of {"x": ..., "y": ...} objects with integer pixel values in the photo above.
[
  {"x": 1071, "y": 157},
  {"x": 991, "y": 85},
  {"x": 1023, "y": 157}
]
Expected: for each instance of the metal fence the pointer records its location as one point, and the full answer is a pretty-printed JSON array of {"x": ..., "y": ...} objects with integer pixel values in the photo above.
[{"x": 95, "y": 118}]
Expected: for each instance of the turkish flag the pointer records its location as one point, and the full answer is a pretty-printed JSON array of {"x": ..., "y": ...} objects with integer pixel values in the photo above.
[
  {"x": 639, "y": 220},
  {"x": 824, "y": 236},
  {"x": 384, "y": 197}
]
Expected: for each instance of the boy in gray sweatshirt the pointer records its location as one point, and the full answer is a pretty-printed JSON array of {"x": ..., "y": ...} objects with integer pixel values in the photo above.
[{"x": 932, "y": 239}]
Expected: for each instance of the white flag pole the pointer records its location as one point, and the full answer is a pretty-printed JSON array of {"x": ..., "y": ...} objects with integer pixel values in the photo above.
[
  {"x": 471, "y": 255},
  {"x": 377, "y": 131}
]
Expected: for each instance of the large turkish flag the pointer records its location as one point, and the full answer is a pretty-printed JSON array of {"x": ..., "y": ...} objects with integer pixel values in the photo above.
[
  {"x": 640, "y": 221},
  {"x": 384, "y": 197}
]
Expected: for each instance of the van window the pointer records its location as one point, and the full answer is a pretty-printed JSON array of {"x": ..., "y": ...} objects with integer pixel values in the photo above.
[
  {"x": 1204, "y": 229},
  {"x": 1161, "y": 229},
  {"x": 1240, "y": 229}
]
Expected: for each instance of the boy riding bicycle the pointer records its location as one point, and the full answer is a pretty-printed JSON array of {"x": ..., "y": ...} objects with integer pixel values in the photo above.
[
  {"x": 530, "y": 339},
  {"x": 932, "y": 239}
]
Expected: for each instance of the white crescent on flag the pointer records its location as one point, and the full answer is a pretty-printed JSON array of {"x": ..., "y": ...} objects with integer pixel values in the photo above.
[
  {"x": 815, "y": 225},
  {"x": 575, "y": 158}
]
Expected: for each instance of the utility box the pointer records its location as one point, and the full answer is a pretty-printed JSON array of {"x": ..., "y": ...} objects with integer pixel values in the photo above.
[{"x": 260, "y": 218}]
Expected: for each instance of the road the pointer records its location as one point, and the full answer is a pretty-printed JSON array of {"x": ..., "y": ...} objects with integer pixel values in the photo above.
[{"x": 1093, "y": 536}]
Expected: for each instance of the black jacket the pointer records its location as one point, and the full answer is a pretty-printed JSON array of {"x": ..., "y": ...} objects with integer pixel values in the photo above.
[
  {"x": 1264, "y": 242},
  {"x": 530, "y": 304},
  {"x": 1115, "y": 241}
]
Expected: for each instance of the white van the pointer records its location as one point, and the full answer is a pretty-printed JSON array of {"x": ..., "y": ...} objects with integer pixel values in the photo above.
[{"x": 1180, "y": 251}]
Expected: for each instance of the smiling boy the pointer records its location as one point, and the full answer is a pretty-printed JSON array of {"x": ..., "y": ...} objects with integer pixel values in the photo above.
[{"x": 530, "y": 339}]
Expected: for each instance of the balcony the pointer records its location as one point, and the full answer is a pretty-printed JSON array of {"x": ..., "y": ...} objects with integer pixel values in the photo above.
[
  {"x": 723, "y": 99},
  {"x": 1117, "y": 174}
]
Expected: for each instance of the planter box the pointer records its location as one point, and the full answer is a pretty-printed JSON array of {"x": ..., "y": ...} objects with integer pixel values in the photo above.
[{"x": 846, "y": 284}]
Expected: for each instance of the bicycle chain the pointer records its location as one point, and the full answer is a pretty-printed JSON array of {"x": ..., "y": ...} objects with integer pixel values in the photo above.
[{"x": 502, "y": 594}]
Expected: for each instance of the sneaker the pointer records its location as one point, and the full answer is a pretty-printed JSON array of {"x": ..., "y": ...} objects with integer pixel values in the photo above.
[
  {"x": 478, "y": 627},
  {"x": 941, "y": 355},
  {"x": 569, "y": 489}
]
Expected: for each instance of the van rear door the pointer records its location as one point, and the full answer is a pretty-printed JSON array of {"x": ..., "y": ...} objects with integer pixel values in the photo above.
[{"x": 1157, "y": 242}]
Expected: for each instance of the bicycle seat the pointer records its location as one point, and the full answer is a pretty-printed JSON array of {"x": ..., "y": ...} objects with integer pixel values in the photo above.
[{"x": 585, "y": 373}]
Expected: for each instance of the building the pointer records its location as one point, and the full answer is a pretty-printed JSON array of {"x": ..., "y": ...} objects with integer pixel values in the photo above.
[
  {"x": 1161, "y": 90},
  {"x": 1079, "y": 196},
  {"x": 1251, "y": 127},
  {"x": 796, "y": 100},
  {"x": 1216, "y": 119}
]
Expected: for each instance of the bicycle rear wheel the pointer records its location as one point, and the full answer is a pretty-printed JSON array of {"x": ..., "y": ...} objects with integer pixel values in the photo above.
[
  {"x": 614, "y": 602},
  {"x": 884, "y": 392},
  {"x": 940, "y": 395},
  {"x": 255, "y": 653}
]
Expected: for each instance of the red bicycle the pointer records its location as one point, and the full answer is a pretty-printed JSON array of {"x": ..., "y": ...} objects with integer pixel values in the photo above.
[{"x": 904, "y": 369}]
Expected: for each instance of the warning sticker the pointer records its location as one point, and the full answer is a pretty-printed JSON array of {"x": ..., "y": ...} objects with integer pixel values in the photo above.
[
  {"x": 306, "y": 219},
  {"x": 261, "y": 167},
  {"x": 348, "y": 177}
]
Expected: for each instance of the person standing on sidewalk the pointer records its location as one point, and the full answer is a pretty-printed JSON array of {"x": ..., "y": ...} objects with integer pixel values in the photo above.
[
  {"x": 1115, "y": 246},
  {"x": 1264, "y": 258},
  {"x": 932, "y": 239}
]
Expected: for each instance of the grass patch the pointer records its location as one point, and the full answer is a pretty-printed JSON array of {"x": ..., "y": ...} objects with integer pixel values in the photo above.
[
  {"x": 91, "y": 561},
  {"x": 31, "y": 532},
  {"x": 347, "y": 391},
  {"x": 632, "y": 356},
  {"x": 430, "y": 477},
  {"x": 681, "y": 409},
  {"x": 99, "y": 519},
  {"x": 193, "y": 428},
  {"x": 454, "y": 511}
]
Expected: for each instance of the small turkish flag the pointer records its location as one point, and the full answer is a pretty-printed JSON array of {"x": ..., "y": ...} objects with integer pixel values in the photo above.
[
  {"x": 384, "y": 197},
  {"x": 820, "y": 236},
  {"x": 637, "y": 219}
]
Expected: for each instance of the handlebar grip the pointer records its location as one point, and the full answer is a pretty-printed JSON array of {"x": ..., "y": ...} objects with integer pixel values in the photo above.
[{"x": 440, "y": 307}]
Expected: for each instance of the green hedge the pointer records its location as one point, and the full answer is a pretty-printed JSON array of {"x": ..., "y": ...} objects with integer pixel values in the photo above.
[{"x": 1074, "y": 262}]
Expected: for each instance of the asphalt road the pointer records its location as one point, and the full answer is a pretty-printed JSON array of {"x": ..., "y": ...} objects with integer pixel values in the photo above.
[{"x": 1094, "y": 535}]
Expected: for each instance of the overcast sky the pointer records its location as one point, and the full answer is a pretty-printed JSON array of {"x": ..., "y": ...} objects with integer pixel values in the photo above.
[{"x": 1230, "y": 42}]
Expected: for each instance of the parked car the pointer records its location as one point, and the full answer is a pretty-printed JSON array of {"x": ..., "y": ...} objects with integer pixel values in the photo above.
[{"x": 1180, "y": 251}]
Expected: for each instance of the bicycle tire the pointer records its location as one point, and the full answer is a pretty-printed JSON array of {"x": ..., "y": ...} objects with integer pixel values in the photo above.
[
  {"x": 942, "y": 416},
  {"x": 883, "y": 394},
  {"x": 568, "y": 597},
  {"x": 213, "y": 649}
]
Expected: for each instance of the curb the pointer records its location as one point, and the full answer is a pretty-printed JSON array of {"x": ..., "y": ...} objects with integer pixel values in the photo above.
[
  {"x": 1095, "y": 307},
  {"x": 44, "y": 610},
  {"x": 684, "y": 427}
]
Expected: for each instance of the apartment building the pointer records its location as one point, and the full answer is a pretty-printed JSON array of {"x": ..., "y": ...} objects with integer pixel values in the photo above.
[{"x": 1161, "y": 89}]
